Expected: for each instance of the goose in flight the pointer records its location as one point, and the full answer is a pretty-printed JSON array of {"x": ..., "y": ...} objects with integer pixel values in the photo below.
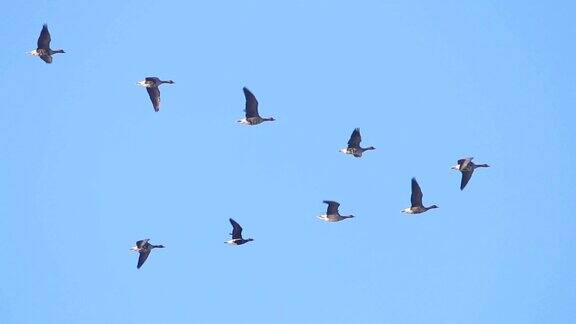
[
  {"x": 144, "y": 248},
  {"x": 151, "y": 84},
  {"x": 354, "y": 145},
  {"x": 467, "y": 167},
  {"x": 252, "y": 116},
  {"x": 44, "y": 51},
  {"x": 416, "y": 200},
  {"x": 237, "y": 234},
  {"x": 332, "y": 214}
]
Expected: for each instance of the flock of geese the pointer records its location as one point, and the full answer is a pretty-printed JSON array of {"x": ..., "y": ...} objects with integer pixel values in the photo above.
[{"x": 252, "y": 117}]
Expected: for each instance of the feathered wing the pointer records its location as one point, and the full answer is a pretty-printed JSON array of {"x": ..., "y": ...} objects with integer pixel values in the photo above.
[
  {"x": 332, "y": 208},
  {"x": 141, "y": 243},
  {"x": 46, "y": 58},
  {"x": 154, "y": 94},
  {"x": 466, "y": 176},
  {"x": 44, "y": 39},
  {"x": 416, "y": 197},
  {"x": 236, "y": 229},
  {"x": 251, "y": 104},
  {"x": 463, "y": 163},
  {"x": 355, "y": 139},
  {"x": 155, "y": 80},
  {"x": 142, "y": 258}
]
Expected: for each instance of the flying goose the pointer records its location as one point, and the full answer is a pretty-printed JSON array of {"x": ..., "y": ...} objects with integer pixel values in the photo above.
[
  {"x": 144, "y": 248},
  {"x": 43, "y": 50},
  {"x": 466, "y": 166},
  {"x": 252, "y": 116},
  {"x": 332, "y": 214},
  {"x": 354, "y": 145},
  {"x": 151, "y": 84},
  {"x": 416, "y": 200},
  {"x": 237, "y": 234}
]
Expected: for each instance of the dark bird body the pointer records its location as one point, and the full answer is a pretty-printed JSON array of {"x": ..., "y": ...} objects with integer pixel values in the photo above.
[
  {"x": 332, "y": 213},
  {"x": 354, "y": 145},
  {"x": 151, "y": 84},
  {"x": 43, "y": 49},
  {"x": 251, "y": 110},
  {"x": 237, "y": 234},
  {"x": 416, "y": 200},
  {"x": 144, "y": 248},
  {"x": 467, "y": 167}
]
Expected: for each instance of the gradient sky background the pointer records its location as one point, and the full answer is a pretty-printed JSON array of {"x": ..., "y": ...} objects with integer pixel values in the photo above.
[{"x": 88, "y": 168}]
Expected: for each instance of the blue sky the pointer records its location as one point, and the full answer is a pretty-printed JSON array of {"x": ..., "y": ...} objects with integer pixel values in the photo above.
[{"x": 88, "y": 168}]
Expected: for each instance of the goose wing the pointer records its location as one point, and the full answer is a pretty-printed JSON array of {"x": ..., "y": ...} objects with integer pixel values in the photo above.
[
  {"x": 251, "y": 104},
  {"x": 44, "y": 39},
  {"x": 463, "y": 163},
  {"x": 416, "y": 197},
  {"x": 140, "y": 244},
  {"x": 155, "y": 80},
  {"x": 236, "y": 229},
  {"x": 355, "y": 139},
  {"x": 142, "y": 258},
  {"x": 154, "y": 94},
  {"x": 46, "y": 58},
  {"x": 466, "y": 176},
  {"x": 332, "y": 207}
]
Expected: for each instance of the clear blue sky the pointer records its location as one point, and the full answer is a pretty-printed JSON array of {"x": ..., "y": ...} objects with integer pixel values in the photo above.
[{"x": 88, "y": 168}]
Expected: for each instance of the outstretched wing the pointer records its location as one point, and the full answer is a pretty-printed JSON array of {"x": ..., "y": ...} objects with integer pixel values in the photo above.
[
  {"x": 142, "y": 258},
  {"x": 236, "y": 229},
  {"x": 46, "y": 58},
  {"x": 251, "y": 104},
  {"x": 44, "y": 39},
  {"x": 141, "y": 243},
  {"x": 332, "y": 207},
  {"x": 463, "y": 163},
  {"x": 155, "y": 80},
  {"x": 154, "y": 94},
  {"x": 466, "y": 176},
  {"x": 416, "y": 197},
  {"x": 355, "y": 139}
]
